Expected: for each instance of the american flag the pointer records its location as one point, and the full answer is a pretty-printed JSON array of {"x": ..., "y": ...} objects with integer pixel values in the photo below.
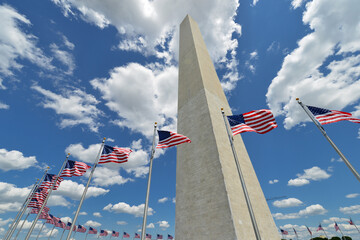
[
  {"x": 260, "y": 121},
  {"x": 45, "y": 216},
  {"x": 36, "y": 210},
  {"x": 319, "y": 228},
  {"x": 81, "y": 229},
  {"x": 103, "y": 233},
  {"x": 159, "y": 236},
  {"x": 92, "y": 230},
  {"x": 53, "y": 219},
  {"x": 169, "y": 139},
  {"x": 49, "y": 180},
  {"x": 170, "y": 237},
  {"x": 295, "y": 233},
  {"x": 284, "y": 232},
  {"x": 148, "y": 236},
  {"x": 60, "y": 224},
  {"x": 74, "y": 168},
  {"x": 336, "y": 227},
  {"x": 114, "y": 154},
  {"x": 351, "y": 222},
  {"x": 326, "y": 116},
  {"x": 126, "y": 235},
  {"x": 137, "y": 235},
  {"x": 115, "y": 234},
  {"x": 40, "y": 194},
  {"x": 309, "y": 230},
  {"x": 34, "y": 203}
]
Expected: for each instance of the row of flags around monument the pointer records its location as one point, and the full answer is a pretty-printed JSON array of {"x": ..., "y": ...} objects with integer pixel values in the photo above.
[
  {"x": 319, "y": 228},
  {"x": 259, "y": 121}
]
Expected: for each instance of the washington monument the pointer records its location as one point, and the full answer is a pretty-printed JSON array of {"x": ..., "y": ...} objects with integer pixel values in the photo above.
[{"x": 210, "y": 201}]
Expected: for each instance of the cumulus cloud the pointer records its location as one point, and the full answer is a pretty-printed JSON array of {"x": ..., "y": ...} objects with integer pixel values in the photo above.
[
  {"x": 311, "y": 210},
  {"x": 12, "y": 197},
  {"x": 355, "y": 209},
  {"x": 163, "y": 225},
  {"x": 141, "y": 96},
  {"x": 290, "y": 202},
  {"x": 75, "y": 106},
  {"x": 315, "y": 173},
  {"x": 155, "y": 30},
  {"x": 3, "y": 105},
  {"x": 273, "y": 181},
  {"x": 162, "y": 200},
  {"x": 150, "y": 225},
  {"x": 15, "y": 44},
  {"x": 15, "y": 160},
  {"x": 324, "y": 69},
  {"x": 97, "y": 214},
  {"x": 91, "y": 223},
  {"x": 74, "y": 190},
  {"x": 121, "y": 223},
  {"x": 64, "y": 57},
  {"x": 352, "y": 195},
  {"x": 123, "y": 207}
]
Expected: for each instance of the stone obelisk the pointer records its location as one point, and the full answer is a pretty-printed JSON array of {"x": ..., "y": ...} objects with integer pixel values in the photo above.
[{"x": 210, "y": 203}]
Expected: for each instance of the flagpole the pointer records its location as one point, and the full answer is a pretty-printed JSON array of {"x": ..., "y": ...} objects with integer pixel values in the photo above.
[
  {"x": 322, "y": 130},
  {"x": 46, "y": 199},
  {"x": 340, "y": 230},
  {"x": 63, "y": 234},
  {"x": 85, "y": 190},
  {"x": 86, "y": 234},
  {"x": 356, "y": 227},
  {"x": 26, "y": 206},
  {"x": 143, "y": 229},
  {"x": 22, "y": 225},
  {"x": 40, "y": 230},
  {"x": 51, "y": 232},
  {"x": 21, "y": 209},
  {"x": 242, "y": 180},
  {"x": 323, "y": 230}
]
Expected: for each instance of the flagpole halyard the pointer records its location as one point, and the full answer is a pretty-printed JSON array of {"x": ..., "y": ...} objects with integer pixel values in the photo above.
[
  {"x": 322, "y": 130},
  {"x": 46, "y": 199},
  {"x": 242, "y": 180},
  {"x": 85, "y": 190},
  {"x": 21, "y": 209},
  {"x": 143, "y": 229}
]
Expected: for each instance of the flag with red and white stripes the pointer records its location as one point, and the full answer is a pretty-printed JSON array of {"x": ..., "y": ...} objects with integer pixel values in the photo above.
[
  {"x": 260, "y": 121},
  {"x": 169, "y": 139},
  {"x": 74, "y": 168},
  {"x": 49, "y": 180},
  {"x": 326, "y": 116},
  {"x": 114, "y": 155}
]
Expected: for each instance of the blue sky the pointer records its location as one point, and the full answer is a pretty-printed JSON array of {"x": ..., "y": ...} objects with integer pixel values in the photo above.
[{"x": 75, "y": 71}]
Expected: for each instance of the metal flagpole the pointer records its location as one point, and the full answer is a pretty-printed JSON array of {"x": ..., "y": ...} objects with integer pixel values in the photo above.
[
  {"x": 86, "y": 234},
  {"x": 322, "y": 130},
  {"x": 21, "y": 210},
  {"x": 40, "y": 230},
  {"x": 27, "y": 203},
  {"x": 356, "y": 227},
  {"x": 340, "y": 231},
  {"x": 51, "y": 232},
  {"x": 22, "y": 226},
  {"x": 46, "y": 199},
  {"x": 85, "y": 190},
  {"x": 143, "y": 229},
  {"x": 325, "y": 233},
  {"x": 247, "y": 198},
  {"x": 62, "y": 234}
]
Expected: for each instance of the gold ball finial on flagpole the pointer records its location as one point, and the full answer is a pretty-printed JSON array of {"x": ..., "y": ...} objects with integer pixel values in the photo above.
[
  {"x": 297, "y": 99},
  {"x": 155, "y": 123},
  {"x": 104, "y": 138},
  {"x": 68, "y": 154}
]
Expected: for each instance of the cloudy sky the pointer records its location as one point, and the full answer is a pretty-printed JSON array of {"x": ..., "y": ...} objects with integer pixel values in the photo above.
[{"x": 75, "y": 71}]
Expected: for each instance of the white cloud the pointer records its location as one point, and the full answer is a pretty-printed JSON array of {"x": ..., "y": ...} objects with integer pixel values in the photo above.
[
  {"x": 64, "y": 57},
  {"x": 121, "y": 223},
  {"x": 162, "y": 200},
  {"x": 97, "y": 214},
  {"x": 15, "y": 44},
  {"x": 315, "y": 173},
  {"x": 87, "y": 155},
  {"x": 75, "y": 190},
  {"x": 297, "y": 3},
  {"x": 334, "y": 35},
  {"x": 355, "y": 209},
  {"x": 155, "y": 29},
  {"x": 91, "y": 223},
  {"x": 5, "y": 222},
  {"x": 12, "y": 197},
  {"x": 352, "y": 195},
  {"x": 122, "y": 207},
  {"x": 141, "y": 96},
  {"x": 76, "y": 107},
  {"x": 255, "y": 2},
  {"x": 150, "y": 225},
  {"x": 67, "y": 43},
  {"x": 273, "y": 181},
  {"x": 163, "y": 225},
  {"x": 66, "y": 219},
  {"x": 56, "y": 200},
  {"x": 312, "y": 210},
  {"x": 109, "y": 175},
  {"x": 15, "y": 160},
  {"x": 3, "y": 105},
  {"x": 290, "y": 202}
]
